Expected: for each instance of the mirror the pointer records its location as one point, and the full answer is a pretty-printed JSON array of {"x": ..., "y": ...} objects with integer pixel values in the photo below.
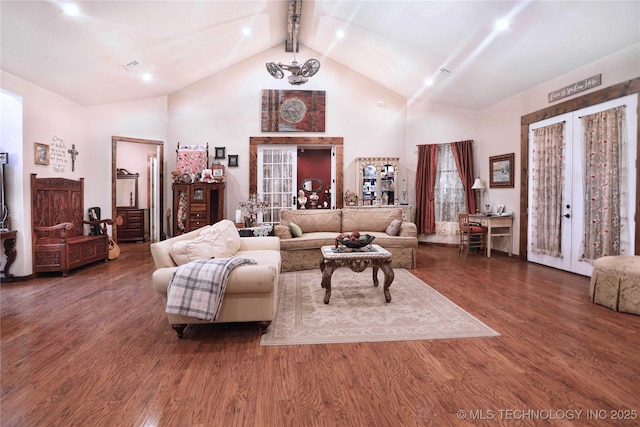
[
  {"x": 312, "y": 185},
  {"x": 126, "y": 189},
  {"x": 368, "y": 184},
  {"x": 387, "y": 177}
]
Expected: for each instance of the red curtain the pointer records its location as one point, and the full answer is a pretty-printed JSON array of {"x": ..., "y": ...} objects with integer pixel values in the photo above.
[
  {"x": 425, "y": 183},
  {"x": 463, "y": 155}
]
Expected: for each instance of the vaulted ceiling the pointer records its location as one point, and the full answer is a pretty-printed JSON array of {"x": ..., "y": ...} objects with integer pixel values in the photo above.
[{"x": 398, "y": 44}]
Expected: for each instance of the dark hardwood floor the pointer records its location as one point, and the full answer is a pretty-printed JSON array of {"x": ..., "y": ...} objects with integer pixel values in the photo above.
[{"x": 95, "y": 349}]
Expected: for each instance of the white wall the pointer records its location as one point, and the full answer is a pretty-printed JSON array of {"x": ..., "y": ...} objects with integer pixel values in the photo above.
[
  {"x": 11, "y": 143},
  {"x": 48, "y": 116},
  {"x": 429, "y": 123},
  {"x": 141, "y": 119},
  {"x": 224, "y": 110}
]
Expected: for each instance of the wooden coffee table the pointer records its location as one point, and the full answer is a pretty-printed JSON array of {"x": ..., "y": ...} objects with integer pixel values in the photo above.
[{"x": 358, "y": 260}]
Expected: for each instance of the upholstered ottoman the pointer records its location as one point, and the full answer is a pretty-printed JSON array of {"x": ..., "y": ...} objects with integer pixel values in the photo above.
[{"x": 615, "y": 283}]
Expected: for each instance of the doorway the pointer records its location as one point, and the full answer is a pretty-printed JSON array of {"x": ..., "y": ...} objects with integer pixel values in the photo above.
[
  {"x": 153, "y": 182},
  {"x": 558, "y": 163},
  {"x": 625, "y": 88},
  {"x": 291, "y": 145}
]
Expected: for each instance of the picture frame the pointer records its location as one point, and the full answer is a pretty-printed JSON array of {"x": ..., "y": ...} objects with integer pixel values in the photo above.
[
  {"x": 40, "y": 154},
  {"x": 219, "y": 153},
  {"x": 233, "y": 161},
  {"x": 501, "y": 171}
]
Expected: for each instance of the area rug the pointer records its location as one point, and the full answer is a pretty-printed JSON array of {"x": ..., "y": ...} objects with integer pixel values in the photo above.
[{"x": 357, "y": 311}]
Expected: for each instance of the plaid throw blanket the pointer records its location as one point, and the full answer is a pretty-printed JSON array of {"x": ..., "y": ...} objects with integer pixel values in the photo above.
[{"x": 196, "y": 288}]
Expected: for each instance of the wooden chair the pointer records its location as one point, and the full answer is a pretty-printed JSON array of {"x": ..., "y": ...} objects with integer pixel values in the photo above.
[
  {"x": 58, "y": 240},
  {"x": 471, "y": 236}
]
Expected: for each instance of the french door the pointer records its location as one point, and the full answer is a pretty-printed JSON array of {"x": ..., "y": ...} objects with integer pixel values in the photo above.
[
  {"x": 556, "y": 229},
  {"x": 276, "y": 179}
]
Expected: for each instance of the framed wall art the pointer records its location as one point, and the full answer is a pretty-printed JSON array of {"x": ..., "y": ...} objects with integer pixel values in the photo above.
[
  {"x": 220, "y": 153},
  {"x": 501, "y": 171},
  {"x": 40, "y": 153},
  {"x": 233, "y": 161},
  {"x": 293, "y": 111}
]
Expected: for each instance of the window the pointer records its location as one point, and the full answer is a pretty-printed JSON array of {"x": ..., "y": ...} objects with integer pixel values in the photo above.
[{"x": 448, "y": 192}]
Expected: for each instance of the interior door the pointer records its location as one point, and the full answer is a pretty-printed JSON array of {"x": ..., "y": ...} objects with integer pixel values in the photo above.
[
  {"x": 566, "y": 206},
  {"x": 276, "y": 176},
  {"x": 572, "y": 208}
]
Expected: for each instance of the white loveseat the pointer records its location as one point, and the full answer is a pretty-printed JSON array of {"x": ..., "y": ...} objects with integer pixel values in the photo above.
[{"x": 251, "y": 292}]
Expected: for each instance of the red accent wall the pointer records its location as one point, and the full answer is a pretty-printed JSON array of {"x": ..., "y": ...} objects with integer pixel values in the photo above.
[{"x": 315, "y": 164}]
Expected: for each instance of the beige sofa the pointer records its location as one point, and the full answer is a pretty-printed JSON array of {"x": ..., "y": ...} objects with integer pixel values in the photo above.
[
  {"x": 251, "y": 292},
  {"x": 321, "y": 226}
]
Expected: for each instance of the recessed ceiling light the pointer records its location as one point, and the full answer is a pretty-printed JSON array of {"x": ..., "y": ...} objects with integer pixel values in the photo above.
[
  {"x": 502, "y": 24},
  {"x": 340, "y": 34},
  {"x": 71, "y": 9},
  {"x": 246, "y": 31},
  {"x": 147, "y": 77},
  {"x": 428, "y": 82}
]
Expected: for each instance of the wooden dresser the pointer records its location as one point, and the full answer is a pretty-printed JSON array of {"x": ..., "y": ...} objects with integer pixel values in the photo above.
[
  {"x": 130, "y": 225},
  {"x": 196, "y": 205}
]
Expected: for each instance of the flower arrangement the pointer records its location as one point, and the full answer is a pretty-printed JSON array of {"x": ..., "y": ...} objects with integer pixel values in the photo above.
[{"x": 250, "y": 208}]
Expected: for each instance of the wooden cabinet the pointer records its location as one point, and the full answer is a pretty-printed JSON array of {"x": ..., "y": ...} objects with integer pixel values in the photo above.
[
  {"x": 196, "y": 205},
  {"x": 130, "y": 223}
]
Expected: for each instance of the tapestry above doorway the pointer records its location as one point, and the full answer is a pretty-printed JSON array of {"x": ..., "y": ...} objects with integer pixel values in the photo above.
[{"x": 293, "y": 111}]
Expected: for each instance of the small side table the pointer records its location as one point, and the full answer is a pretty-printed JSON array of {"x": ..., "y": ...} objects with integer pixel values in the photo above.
[
  {"x": 377, "y": 257},
  {"x": 9, "y": 238}
]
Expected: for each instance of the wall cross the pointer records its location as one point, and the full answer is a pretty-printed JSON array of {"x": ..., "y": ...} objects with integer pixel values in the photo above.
[{"x": 74, "y": 153}]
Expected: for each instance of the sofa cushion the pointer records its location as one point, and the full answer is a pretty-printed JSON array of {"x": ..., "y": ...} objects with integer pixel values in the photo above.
[
  {"x": 313, "y": 220},
  {"x": 310, "y": 241},
  {"x": 296, "y": 231},
  {"x": 221, "y": 240},
  {"x": 394, "y": 228},
  {"x": 367, "y": 220}
]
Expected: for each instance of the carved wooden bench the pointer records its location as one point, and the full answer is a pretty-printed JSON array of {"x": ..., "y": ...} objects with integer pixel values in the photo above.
[{"x": 57, "y": 213}]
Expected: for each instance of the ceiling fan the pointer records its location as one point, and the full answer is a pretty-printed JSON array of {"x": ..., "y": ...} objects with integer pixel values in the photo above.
[{"x": 300, "y": 73}]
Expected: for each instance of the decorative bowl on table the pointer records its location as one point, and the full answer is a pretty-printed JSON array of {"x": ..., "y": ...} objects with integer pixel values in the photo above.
[{"x": 360, "y": 242}]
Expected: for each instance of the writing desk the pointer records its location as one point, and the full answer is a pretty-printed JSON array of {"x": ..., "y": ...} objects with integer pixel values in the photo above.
[{"x": 497, "y": 226}]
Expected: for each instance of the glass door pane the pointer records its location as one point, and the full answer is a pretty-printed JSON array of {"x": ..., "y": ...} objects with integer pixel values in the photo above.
[{"x": 276, "y": 175}]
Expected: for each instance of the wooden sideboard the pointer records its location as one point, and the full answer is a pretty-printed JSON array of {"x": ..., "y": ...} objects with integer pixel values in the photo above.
[
  {"x": 196, "y": 205},
  {"x": 130, "y": 225}
]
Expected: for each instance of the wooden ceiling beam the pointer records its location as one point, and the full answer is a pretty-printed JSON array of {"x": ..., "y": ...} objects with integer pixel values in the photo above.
[{"x": 295, "y": 8}]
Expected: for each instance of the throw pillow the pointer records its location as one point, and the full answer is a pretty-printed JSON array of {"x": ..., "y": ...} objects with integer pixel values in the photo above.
[
  {"x": 229, "y": 233},
  {"x": 221, "y": 240},
  {"x": 394, "y": 228},
  {"x": 296, "y": 231}
]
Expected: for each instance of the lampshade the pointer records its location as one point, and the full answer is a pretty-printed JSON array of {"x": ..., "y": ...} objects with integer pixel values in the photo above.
[{"x": 477, "y": 185}]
